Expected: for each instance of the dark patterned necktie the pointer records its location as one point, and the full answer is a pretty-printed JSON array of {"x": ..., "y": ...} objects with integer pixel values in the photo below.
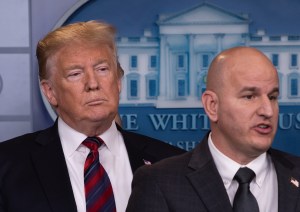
[
  {"x": 244, "y": 201},
  {"x": 98, "y": 190}
]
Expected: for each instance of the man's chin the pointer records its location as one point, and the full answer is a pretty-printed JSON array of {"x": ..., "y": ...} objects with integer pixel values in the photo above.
[
  {"x": 261, "y": 148},
  {"x": 100, "y": 118}
]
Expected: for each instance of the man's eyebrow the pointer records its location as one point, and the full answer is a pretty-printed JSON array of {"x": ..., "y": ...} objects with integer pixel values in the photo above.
[
  {"x": 101, "y": 61},
  {"x": 252, "y": 89},
  {"x": 72, "y": 67},
  {"x": 78, "y": 66},
  {"x": 275, "y": 90}
]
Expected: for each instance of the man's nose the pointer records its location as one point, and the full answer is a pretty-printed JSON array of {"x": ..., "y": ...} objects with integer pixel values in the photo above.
[
  {"x": 266, "y": 107},
  {"x": 91, "y": 80}
]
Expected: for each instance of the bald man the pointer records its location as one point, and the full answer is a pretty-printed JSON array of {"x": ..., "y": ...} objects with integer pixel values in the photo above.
[{"x": 241, "y": 103}]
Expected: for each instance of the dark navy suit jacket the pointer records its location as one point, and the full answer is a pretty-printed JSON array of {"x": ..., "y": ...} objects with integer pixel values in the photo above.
[
  {"x": 191, "y": 182},
  {"x": 34, "y": 175}
]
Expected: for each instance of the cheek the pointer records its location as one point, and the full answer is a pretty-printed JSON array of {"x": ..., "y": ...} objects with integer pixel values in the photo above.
[
  {"x": 275, "y": 116},
  {"x": 113, "y": 85},
  {"x": 119, "y": 86},
  {"x": 71, "y": 93},
  {"x": 276, "y": 110},
  {"x": 232, "y": 116},
  {"x": 226, "y": 110}
]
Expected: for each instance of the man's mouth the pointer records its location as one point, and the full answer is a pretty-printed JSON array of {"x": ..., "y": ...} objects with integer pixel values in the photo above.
[
  {"x": 95, "y": 102},
  {"x": 263, "y": 128}
]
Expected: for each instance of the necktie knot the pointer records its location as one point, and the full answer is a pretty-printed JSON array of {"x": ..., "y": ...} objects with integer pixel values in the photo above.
[
  {"x": 93, "y": 143},
  {"x": 244, "y": 175}
]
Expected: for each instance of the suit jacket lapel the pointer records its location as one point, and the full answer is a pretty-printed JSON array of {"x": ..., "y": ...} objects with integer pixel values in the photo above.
[
  {"x": 288, "y": 183},
  {"x": 134, "y": 150},
  {"x": 49, "y": 161},
  {"x": 207, "y": 181}
]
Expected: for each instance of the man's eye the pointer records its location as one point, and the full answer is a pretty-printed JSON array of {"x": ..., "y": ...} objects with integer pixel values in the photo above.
[
  {"x": 102, "y": 69},
  {"x": 249, "y": 97},
  {"x": 74, "y": 74},
  {"x": 273, "y": 97}
]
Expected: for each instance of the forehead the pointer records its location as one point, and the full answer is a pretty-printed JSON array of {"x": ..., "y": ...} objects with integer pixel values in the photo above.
[
  {"x": 251, "y": 71},
  {"x": 81, "y": 54},
  {"x": 82, "y": 47},
  {"x": 76, "y": 52}
]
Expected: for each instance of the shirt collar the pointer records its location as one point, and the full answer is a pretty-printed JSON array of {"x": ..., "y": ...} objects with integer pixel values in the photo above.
[
  {"x": 71, "y": 139},
  {"x": 228, "y": 168},
  {"x": 111, "y": 139}
]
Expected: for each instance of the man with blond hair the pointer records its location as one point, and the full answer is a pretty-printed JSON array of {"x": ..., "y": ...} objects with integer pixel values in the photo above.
[{"x": 85, "y": 161}]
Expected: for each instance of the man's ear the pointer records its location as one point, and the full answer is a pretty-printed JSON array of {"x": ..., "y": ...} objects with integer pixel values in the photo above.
[
  {"x": 120, "y": 85},
  {"x": 210, "y": 104},
  {"x": 49, "y": 93}
]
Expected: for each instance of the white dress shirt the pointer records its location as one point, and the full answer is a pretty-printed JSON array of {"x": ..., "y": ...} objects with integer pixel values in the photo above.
[
  {"x": 113, "y": 157},
  {"x": 264, "y": 186}
]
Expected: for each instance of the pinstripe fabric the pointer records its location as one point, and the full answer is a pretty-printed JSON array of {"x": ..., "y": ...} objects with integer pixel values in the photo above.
[{"x": 98, "y": 189}]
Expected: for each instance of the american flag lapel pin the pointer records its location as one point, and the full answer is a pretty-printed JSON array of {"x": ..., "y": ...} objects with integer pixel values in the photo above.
[
  {"x": 295, "y": 182},
  {"x": 146, "y": 162}
]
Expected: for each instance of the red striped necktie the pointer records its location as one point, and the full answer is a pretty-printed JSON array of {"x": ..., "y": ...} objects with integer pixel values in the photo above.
[{"x": 98, "y": 190}]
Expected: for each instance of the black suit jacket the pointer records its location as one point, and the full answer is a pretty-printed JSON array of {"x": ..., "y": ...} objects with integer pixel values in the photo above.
[
  {"x": 191, "y": 182},
  {"x": 34, "y": 175}
]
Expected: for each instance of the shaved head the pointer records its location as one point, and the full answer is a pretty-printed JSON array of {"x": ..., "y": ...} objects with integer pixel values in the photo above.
[
  {"x": 241, "y": 103},
  {"x": 232, "y": 60}
]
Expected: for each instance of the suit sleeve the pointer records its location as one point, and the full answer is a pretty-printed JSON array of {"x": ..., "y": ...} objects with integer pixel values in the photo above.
[
  {"x": 1, "y": 205},
  {"x": 146, "y": 195}
]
